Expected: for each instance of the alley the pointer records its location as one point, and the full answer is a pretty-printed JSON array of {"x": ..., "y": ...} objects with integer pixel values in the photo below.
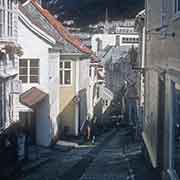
[
  {"x": 113, "y": 157},
  {"x": 120, "y": 159}
]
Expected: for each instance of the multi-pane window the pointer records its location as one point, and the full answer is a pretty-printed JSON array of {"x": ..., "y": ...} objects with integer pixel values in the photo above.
[
  {"x": 7, "y": 17},
  {"x": 90, "y": 71},
  {"x": 1, "y": 105},
  {"x": 177, "y": 6},
  {"x": 130, "y": 40},
  {"x": 10, "y": 17},
  {"x": 164, "y": 12},
  {"x": 98, "y": 92},
  {"x": 29, "y": 70},
  {"x": 65, "y": 72},
  {"x": 2, "y": 17}
]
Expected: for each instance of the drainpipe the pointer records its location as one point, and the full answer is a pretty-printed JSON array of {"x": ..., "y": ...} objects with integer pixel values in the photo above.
[{"x": 77, "y": 94}]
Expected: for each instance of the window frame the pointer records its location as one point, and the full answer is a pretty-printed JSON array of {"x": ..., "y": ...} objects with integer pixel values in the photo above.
[
  {"x": 8, "y": 17},
  {"x": 63, "y": 69},
  {"x": 28, "y": 74},
  {"x": 98, "y": 92},
  {"x": 3, "y": 18},
  {"x": 2, "y": 107},
  {"x": 130, "y": 40},
  {"x": 176, "y": 11}
]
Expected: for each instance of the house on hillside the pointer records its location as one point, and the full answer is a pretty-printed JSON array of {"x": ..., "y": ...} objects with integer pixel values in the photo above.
[
  {"x": 61, "y": 71},
  {"x": 119, "y": 73}
]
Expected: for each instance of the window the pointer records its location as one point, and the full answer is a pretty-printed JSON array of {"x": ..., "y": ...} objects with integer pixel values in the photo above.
[
  {"x": 8, "y": 18},
  {"x": 90, "y": 71},
  {"x": 106, "y": 102},
  {"x": 117, "y": 40},
  {"x": 177, "y": 6},
  {"x": 65, "y": 72},
  {"x": 29, "y": 70},
  {"x": 98, "y": 92},
  {"x": 2, "y": 18},
  {"x": 1, "y": 105},
  {"x": 164, "y": 12},
  {"x": 99, "y": 44},
  {"x": 130, "y": 40}
]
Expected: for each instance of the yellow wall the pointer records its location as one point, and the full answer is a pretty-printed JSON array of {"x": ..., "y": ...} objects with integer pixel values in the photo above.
[{"x": 67, "y": 106}]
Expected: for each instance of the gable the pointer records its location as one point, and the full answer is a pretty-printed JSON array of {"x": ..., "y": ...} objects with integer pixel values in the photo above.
[{"x": 47, "y": 23}]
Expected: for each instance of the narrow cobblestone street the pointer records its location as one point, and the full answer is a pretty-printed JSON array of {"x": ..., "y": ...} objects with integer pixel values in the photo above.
[{"x": 113, "y": 157}]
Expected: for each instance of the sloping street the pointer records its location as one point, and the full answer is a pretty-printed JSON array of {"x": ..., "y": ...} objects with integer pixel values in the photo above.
[{"x": 113, "y": 157}]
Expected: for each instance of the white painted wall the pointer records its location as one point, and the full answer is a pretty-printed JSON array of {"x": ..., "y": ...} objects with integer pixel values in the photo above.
[
  {"x": 84, "y": 89},
  {"x": 47, "y": 112},
  {"x": 34, "y": 47},
  {"x": 53, "y": 86}
]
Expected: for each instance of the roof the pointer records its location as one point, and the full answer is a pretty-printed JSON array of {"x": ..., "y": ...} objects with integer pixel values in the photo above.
[
  {"x": 48, "y": 23},
  {"x": 32, "y": 97},
  {"x": 116, "y": 54}
]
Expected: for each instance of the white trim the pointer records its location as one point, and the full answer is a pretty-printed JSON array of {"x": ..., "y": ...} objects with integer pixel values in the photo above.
[
  {"x": 77, "y": 93},
  {"x": 176, "y": 14},
  {"x": 28, "y": 70},
  {"x": 35, "y": 29},
  {"x": 62, "y": 69}
]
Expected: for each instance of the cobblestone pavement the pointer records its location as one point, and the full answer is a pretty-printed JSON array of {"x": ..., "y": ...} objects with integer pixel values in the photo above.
[
  {"x": 120, "y": 159},
  {"x": 63, "y": 163},
  {"x": 114, "y": 157}
]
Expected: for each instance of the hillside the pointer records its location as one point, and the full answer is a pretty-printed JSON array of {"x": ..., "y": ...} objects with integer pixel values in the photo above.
[{"x": 86, "y": 12}]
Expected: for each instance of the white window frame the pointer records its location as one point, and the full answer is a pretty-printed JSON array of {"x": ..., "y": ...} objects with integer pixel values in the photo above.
[
  {"x": 10, "y": 14},
  {"x": 28, "y": 70},
  {"x": 2, "y": 101},
  {"x": 63, "y": 69},
  {"x": 3, "y": 17},
  {"x": 176, "y": 11},
  {"x": 9, "y": 18}
]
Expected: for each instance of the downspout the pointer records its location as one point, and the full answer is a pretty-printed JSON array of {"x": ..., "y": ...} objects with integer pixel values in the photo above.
[{"x": 77, "y": 94}]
